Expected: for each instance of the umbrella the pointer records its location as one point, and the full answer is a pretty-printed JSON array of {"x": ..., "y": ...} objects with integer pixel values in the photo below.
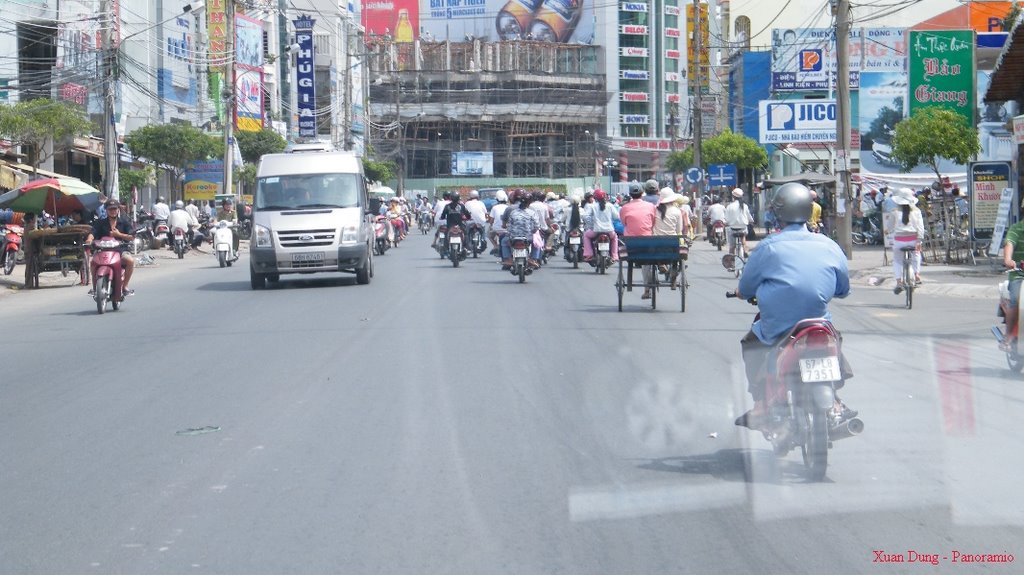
[{"x": 57, "y": 196}]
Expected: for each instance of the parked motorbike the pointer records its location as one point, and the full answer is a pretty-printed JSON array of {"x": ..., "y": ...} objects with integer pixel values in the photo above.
[
  {"x": 800, "y": 394},
  {"x": 107, "y": 273},
  {"x": 718, "y": 234},
  {"x": 1008, "y": 339},
  {"x": 870, "y": 236},
  {"x": 477, "y": 240},
  {"x": 520, "y": 257},
  {"x": 602, "y": 252},
  {"x": 223, "y": 246},
  {"x": 143, "y": 240},
  {"x": 456, "y": 246},
  {"x": 381, "y": 243},
  {"x": 574, "y": 247},
  {"x": 10, "y": 245}
]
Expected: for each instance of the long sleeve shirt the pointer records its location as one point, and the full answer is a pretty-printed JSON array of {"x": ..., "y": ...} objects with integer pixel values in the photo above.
[
  {"x": 894, "y": 224},
  {"x": 601, "y": 220},
  {"x": 669, "y": 225}
]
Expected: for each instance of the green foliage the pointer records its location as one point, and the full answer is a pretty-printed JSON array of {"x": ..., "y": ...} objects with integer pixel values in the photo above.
[
  {"x": 882, "y": 126},
  {"x": 932, "y": 134},
  {"x": 725, "y": 148},
  {"x": 128, "y": 179},
  {"x": 36, "y": 123},
  {"x": 1011, "y": 16},
  {"x": 379, "y": 171},
  {"x": 173, "y": 147},
  {"x": 246, "y": 175},
  {"x": 252, "y": 145}
]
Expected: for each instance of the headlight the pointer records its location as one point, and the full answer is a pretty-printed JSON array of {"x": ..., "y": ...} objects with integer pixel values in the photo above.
[
  {"x": 349, "y": 235},
  {"x": 263, "y": 237}
]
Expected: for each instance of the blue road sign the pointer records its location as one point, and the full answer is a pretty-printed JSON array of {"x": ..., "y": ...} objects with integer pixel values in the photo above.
[
  {"x": 722, "y": 175},
  {"x": 694, "y": 175}
]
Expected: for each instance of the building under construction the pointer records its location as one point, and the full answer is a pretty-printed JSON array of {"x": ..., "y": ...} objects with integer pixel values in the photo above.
[{"x": 536, "y": 106}]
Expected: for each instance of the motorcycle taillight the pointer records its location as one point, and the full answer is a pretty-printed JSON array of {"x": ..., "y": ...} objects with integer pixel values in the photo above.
[
  {"x": 519, "y": 244},
  {"x": 818, "y": 339}
]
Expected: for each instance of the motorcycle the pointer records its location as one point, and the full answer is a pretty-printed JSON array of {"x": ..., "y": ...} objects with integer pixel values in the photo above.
[
  {"x": 426, "y": 221},
  {"x": 800, "y": 394},
  {"x": 143, "y": 239},
  {"x": 1008, "y": 339},
  {"x": 870, "y": 236},
  {"x": 718, "y": 234},
  {"x": 10, "y": 245},
  {"x": 602, "y": 252},
  {"x": 223, "y": 246},
  {"x": 180, "y": 242},
  {"x": 554, "y": 242},
  {"x": 574, "y": 247},
  {"x": 161, "y": 233},
  {"x": 107, "y": 274},
  {"x": 520, "y": 258},
  {"x": 477, "y": 240},
  {"x": 456, "y": 248},
  {"x": 381, "y": 243}
]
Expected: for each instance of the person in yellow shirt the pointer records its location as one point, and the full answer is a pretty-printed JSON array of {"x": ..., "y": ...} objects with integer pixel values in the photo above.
[{"x": 814, "y": 223}]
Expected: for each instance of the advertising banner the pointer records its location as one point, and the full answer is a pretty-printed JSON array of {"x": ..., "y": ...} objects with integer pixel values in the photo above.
[
  {"x": 986, "y": 180},
  {"x": 882, "y": 50},
  {"x": 248, "y": 42},
  {"x": 705, "y": 52},
  {"x": 203, "y": 180},
  {"x": 941, "y": 64},
  {"x": 217, "y": 32},
  {"x": 567, "y": 21},
  {"x": 472, "y": 163},
  {"x": 795, "y": 121},
  {"x": 304, "y": 77},
  {"x": 804, "y": 58},
  {"x": 882, "y": 96},
  {"x": 249, "y": 100}
]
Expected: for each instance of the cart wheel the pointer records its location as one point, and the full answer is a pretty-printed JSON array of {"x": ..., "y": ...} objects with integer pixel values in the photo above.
[
  {"x": 682, "y": 286},
  {"x": 654, "y": 289},
  {"x": 620, "y": 286}
]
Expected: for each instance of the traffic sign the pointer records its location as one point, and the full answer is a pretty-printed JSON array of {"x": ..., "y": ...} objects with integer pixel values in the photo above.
[
  {"x": 694, "y": 175},
  {"x": 722, "y": 175}
]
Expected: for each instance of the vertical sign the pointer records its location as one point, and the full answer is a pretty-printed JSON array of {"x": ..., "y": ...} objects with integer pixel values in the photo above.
[
  {"x": 217, "y": 32},
  {"x": 705, "y": 42},
  {"x": 942, "y": 71},
  {"x": 1005, "y": 206},
  {"x": 304, "y": 77},
  {"x": 987, "y": 180},
  {"x": 248, "y": 74}
]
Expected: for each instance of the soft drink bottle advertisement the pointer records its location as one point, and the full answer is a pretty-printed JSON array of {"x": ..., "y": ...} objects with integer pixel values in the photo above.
[{"x": 397, "y": 18}]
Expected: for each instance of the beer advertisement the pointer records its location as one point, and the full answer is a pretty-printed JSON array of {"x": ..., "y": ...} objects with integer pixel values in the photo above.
[{"x": 566, "y": 21}]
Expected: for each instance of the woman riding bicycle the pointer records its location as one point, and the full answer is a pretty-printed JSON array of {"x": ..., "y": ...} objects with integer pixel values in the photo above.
[{"x": 907, "y": 228}]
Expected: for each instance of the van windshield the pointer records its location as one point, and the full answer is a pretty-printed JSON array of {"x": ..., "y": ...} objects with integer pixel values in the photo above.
[{"x": 308, "y": 191}]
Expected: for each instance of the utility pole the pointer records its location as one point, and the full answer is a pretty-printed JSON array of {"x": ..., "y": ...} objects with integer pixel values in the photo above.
[
  {"x": 110, "y": 151},
  {"x": 229, "y": 93},
  {"x": 697, "y": 83},
  {"x": 842, "y": 198}
]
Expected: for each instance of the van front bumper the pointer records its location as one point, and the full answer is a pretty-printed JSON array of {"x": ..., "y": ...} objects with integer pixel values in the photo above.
[{"x": 277, "y": 261}]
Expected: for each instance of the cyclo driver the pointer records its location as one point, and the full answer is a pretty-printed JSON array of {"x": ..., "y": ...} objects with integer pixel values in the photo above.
[{"x": 793, "y": 274}]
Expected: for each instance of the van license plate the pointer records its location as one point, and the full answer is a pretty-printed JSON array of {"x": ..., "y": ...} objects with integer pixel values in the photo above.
[
  {"x": 819, "y": 369},
  {"x": 308, "y": 257}
]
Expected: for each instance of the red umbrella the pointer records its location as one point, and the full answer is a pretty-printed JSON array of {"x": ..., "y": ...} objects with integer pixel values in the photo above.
[{"x": 57, "y": 196}]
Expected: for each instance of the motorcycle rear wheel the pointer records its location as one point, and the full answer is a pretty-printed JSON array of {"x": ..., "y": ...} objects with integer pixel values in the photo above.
[
  {"x": 222, "y": 259},
  {"x": 815, "y": 447},
  {"x": 100, "y": 294},
  {"x": 10, "y": 259}
]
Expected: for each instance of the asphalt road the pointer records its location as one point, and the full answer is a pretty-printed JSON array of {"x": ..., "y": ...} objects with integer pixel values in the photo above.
[{"x": 446, "y": 420}]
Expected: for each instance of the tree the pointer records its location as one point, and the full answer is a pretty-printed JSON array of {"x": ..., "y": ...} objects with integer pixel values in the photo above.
[
  {"x": 33, "y": 124},
  {"x": 246, "y": 175},
  {"x": 128, "y": 179},
  {"x": 253, "y": 145},
  {"x": 379, "y": 171},
  {"x": 1011, "y": 16},
  {"x": 725, "y": 148},
  {"x": 172, "y": 147},
  {"x": 930, "y": 135}
]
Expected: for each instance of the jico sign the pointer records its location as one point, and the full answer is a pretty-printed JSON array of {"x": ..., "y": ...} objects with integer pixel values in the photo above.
[{"x": 793, "y": 121}]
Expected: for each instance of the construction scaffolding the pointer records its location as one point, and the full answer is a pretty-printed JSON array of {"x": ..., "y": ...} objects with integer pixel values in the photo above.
[{"x": 537, "y": 106}]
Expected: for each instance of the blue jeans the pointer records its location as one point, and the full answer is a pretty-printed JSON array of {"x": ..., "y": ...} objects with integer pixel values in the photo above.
[{"x": 506, "y": 248}]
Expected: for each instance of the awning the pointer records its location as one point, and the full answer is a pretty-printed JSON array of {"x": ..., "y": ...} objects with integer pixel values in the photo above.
[
  {"x": 13, "y": 174},
  {"x": 1007, "y": 81},
  {"x": 29, "y": 171}
]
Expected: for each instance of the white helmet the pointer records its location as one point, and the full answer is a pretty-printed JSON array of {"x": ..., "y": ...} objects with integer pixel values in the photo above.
[
  {"x": 179, "y": 205},
  {"x": 501, "y": 196},
  {"x": 474, "y": 194}
]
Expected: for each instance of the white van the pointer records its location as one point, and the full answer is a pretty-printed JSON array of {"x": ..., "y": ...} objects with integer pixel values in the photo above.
[{"x": 309, "y": 215}]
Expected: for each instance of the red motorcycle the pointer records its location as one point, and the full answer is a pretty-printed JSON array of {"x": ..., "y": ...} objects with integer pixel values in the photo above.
[
  {"x": 381, "y": 240},
  {"x": 602, "y": 252},
  {"x": 10, "y": 245},
  {"x": 107, "y": 273},
  {"x": 800, "y": 393},
  {"x": 718, "y": 237},
  {"x": 521, "y": 257}
]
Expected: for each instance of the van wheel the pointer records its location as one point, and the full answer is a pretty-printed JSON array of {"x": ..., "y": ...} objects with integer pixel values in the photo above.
[
  {"x": 364, "y": 273},
  {"x": 257, "y": 281}
]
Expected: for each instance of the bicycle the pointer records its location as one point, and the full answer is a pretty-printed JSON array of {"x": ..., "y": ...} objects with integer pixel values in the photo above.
[{"x": 909, "y": 282}]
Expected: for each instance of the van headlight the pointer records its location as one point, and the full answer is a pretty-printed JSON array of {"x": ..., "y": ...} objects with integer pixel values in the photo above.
[
  {"x": 262, "y": 237},
  {"x": 349, "y": 235}
]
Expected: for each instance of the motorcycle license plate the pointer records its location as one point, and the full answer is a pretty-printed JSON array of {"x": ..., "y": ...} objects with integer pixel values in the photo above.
[
  {"x": 456, "y": 240},
  {"x": 519, "y": 253},
  {"x": 308, "y": 257},
  {"x": 819, "y": 369},
  {"x": 441, "y": 236},
  {"x": 603, "y": 247},
  {"x": 574, "y": 241}
]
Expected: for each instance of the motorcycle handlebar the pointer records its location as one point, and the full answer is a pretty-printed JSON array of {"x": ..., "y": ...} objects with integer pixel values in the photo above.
[{"x": 732, "y": 294}]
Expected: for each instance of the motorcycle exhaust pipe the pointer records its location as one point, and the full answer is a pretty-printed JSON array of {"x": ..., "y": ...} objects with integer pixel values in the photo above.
[
  {"x": 998, "y": 333},
  {"x": 848, "y": 428}
]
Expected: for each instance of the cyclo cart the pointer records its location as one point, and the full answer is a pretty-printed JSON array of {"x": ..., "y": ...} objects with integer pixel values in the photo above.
[
  {"x": 668, "y": 252},
  {"x": 58, "y": 250}
]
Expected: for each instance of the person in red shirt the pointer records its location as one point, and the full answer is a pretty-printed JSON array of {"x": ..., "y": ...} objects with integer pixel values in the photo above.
[{"x": 638, "y": 217}]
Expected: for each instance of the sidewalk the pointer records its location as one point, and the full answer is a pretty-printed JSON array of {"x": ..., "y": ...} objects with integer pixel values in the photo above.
[{"x": 955, "y": 280}]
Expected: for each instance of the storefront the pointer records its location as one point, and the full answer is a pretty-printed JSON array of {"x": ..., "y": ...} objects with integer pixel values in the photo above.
[{"x": 1007, "y": 84}]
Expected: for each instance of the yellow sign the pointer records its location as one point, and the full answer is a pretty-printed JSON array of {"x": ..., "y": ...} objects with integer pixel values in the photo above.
[{"x": 201, "y": 190}]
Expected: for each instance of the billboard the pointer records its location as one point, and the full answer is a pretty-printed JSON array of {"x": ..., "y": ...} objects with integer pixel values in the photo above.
[
  {"x": 941, "y": 64},
  {"x": 472, "y": 163},
  {"x": 305, "y": 80},
  {"x": 249, "y": 100},
  {"x": 203, "y": 180},
  {"x": 804, "y": 58},
  {"x": 796, "y": 121},
  {"x": 566, "y": 21},
  {"x": 248, "y": 42}
]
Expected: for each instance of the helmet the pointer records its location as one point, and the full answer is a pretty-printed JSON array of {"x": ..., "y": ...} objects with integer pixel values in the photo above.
[
  {"x": 651, "y": 186},
  {"x": 635, "y": 191},
  {"x": 159, "y": 199},
  {"x": 112, "y": 203},
  {"x": 792, "y": 203},
  {"x": 600, "y": 195},
  {"x": 501, "y": 196},
  {"x": 474, "y": 194},
  {"x": 179, "y": 205}
]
